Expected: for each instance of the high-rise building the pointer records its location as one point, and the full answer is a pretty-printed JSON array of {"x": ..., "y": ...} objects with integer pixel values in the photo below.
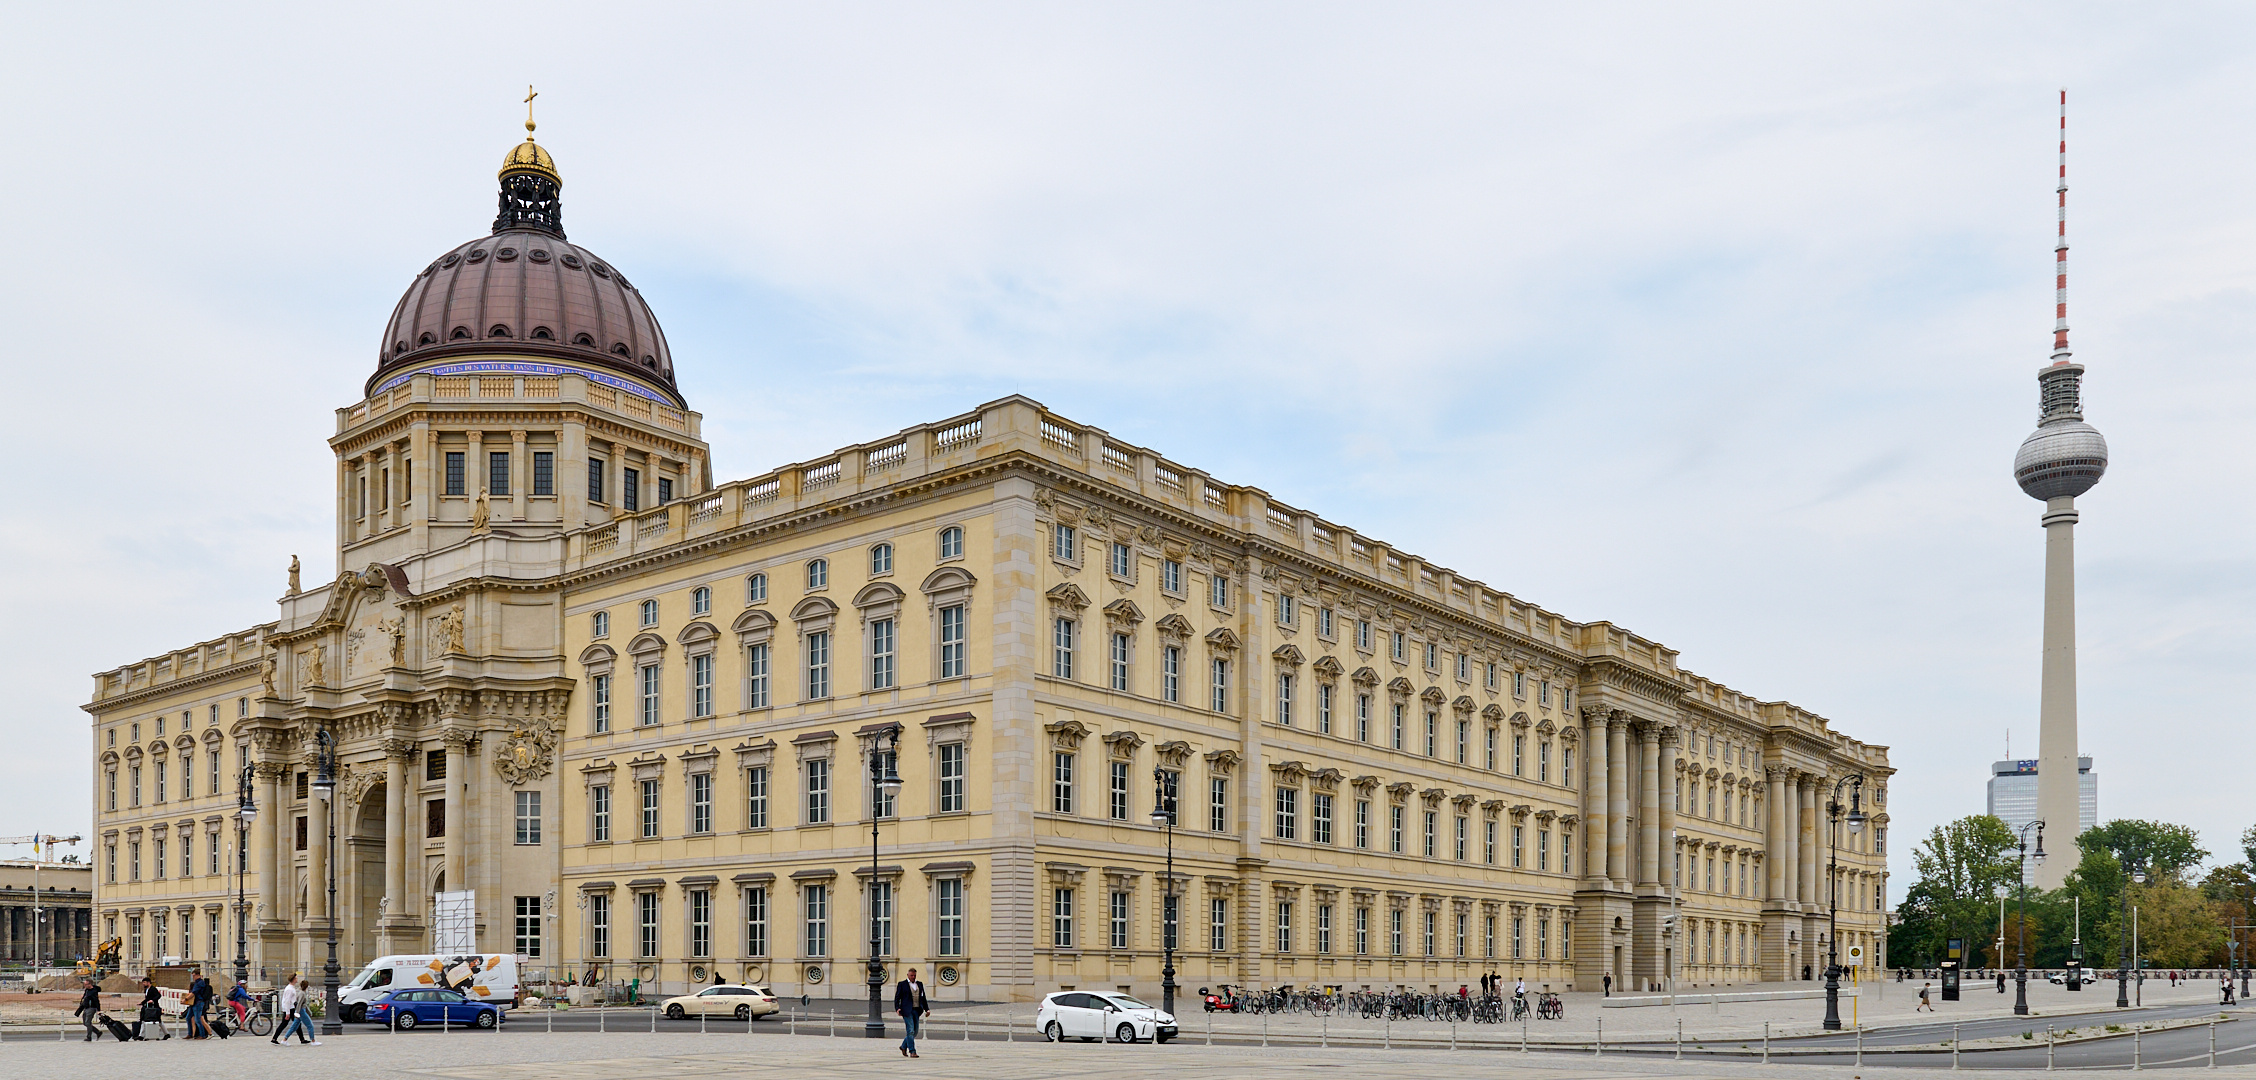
[
  {"x": 2013, "y": 800},
  {"x": 2062, "y": 459}
]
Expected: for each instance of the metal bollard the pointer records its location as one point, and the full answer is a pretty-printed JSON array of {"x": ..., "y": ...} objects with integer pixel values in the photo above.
[
  {"x": 1453, "y": 1033},
  {"x": 1680, "y": 1040},
  {"x": 1265, "y": 1028},
  {"x": 1324, "y": 1034},
  {"x": 1598, "y": 1045},
  {"x": 2212, "y": 1044},
  {"x": 2136, "y": 1065},
  {"x": 1523, "y": 1033},
  {"x": 1766, "y": 1042},
  {"x": 832, "y": 1030},
  {"x": 602, "y": 1010},
  {"x": 1389, "y": 1044},
  {"x": 552, "y": 1020},
  {"x": 967, "y": 1025},
  {"x": 654, "y": 1020},
  {"x": 700, "y": 1021},
  {"x": 1954, "y": 1047},
  {"x": 1860, "y": 1046},
  {"x": 2050, "y": 1040}
]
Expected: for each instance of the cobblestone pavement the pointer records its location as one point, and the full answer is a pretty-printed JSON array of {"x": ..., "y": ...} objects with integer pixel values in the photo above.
[{"x": 685, "y": 1056}]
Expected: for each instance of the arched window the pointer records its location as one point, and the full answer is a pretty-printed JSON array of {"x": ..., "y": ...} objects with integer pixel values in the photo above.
[
  {"x": 600, "y": 624},
  {"x": 881, "y": 559},
  {"x": 650, "y": 613},
  {"x": 756, "y": 589},
  {"x": 498, "y": 330},
  {"x": 951, "y": 542},
  {"x": 818, "y": 573},
  {"x": 701, "y": 601}
]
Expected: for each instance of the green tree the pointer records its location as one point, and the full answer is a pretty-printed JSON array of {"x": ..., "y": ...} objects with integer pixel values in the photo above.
[
  {"x": 1963, "y": 867},
  {"x": 2163, "y": 849}
]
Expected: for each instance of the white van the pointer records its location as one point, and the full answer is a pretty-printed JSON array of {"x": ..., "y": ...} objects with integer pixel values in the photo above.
[{"x": 480, "y": 977}]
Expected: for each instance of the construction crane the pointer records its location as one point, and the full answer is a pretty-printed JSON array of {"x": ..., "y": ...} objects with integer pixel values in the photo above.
[{"x": 42, "y": 844}]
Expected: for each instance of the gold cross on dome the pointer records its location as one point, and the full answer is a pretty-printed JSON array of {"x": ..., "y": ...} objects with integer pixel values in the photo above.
[{"x": 529, "y": 96}]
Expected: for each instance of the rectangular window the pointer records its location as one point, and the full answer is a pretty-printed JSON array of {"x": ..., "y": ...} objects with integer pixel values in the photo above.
[
  {"x": 1061, "y": 651},
  {"x": 756, "y": 797},
  {"x": 1288, "y": 813},
  {"x": 544, "y": 473},
  {"x": 528, "y": 925},
  {"x": 1543, "y": 849},
  {"x": 665, "y": 490},
  {"x": 881, "y": 654},
  {"x": 1170, "y": 576},
  {"x": 1394, "y": 932},
  {"x": 1401, "y": 646},
  {"x": 160, "y": 845},
  {"x": 1464, "y": 667},
  {"x": 818, "y": 791},
  {"x": 884, "y": 803},
  {"x": 1519, "y": 754},
  {"x": 1462, "y": 919},
  {"x": 188, "y": 774},
  {"x": 881, "y": 916},
  {"x": 1285, "y": 699},
  {"x": 528, "y": 817},
  {"x": 1362, "y": 931},
  {"x": 1433, "y": 827},
  {"x": 1218, "y": 924},
  {"x": 756, "y": 677},
  {"x": 110, "y": 785},
  {"x": 1287, "y": 611},
  {"x": 1519, "y": 845},
  {"x": 454, "y": 471},
  {"x": 646, "y": 924},
  {"x": 952, "y": 641},
  {"x": 951, "y": 764},
  {"x": 1063, "y": 543},
  {"x": 701, "y": 685},
  {"x": 1061, "y": 783},
  {"x": 1464, "y": 738},
  {"x": 756, "y": 921},
  {"x": 1394, "y": 829},
  {"x": 162, "y": 774},
  {"x": 650, "y": 791},
  {"x": 817, "y": 910},
  {"x": 1432, "y": 919},
  {"x": 1320, "y": 817},
  {"x": 1433, "y": 721},
  {"x": 1218, "y": 804},
  {"x": 1169, "y": 915},
  {"x": 1118, "y": 801},
  {"x": 211, "y": 853},
  {"x": 948, "y": 899},
  {"x": 701, "y": 802},
  {"x": 1363, "y": 634},
  {"x": 647, "y": 694},
  {"x": 1324, "y": 929},
  {"x": 1488, "y": 749},
  {"x": 1543, "y": 767},
  {"x": 1458, "y": 841},
  {"x": 599, "y": 693},
  {"x": 595, "y": 480},
  {"x": 1492, "y": 676},
  {"x": 599, "y": 924},
  {"x": 630, "y": 489},
  {"x": 1061, "y": 918},
  {"x": 1221, "y": 696},
  {"x": 1284, "y": 926},
  {"x": 1519, "y": 927},
  {"x": 434, "y": 818},
  {"x": 1324, "y": 622},
  {"x": 1220, "y": 591},
  {"x": 497, "y": 472},
  {"x": 1122, "y": 558},
  {"x": 1119, "y": 920},
  {"x": 818, "y": 665},
  {"x": 1566, "y": 851},
  {"x": 133, "y": 860},
  {"x": 1363, "y": 823},
  {"x": 599, "y": 813},
  {"x": 1399, "y": 734},
  {"x": 1488, "y": 936},
  {"x": 1324, "y": 708},
  {"x": 1171, "y": 674},
  {"x": 1119, "y": 661}
]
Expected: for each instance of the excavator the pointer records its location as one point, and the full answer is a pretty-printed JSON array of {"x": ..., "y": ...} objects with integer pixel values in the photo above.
[{"x": 104, "y": 964}]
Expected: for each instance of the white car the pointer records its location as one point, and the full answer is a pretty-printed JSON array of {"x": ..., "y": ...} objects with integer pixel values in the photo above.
[
  {"x": 1089, "y": 1015},
  {"x": 741, "y": 1002}
]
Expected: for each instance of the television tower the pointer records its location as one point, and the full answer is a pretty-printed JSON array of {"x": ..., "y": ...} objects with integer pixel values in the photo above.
[{"x": 2062, "y": 459}]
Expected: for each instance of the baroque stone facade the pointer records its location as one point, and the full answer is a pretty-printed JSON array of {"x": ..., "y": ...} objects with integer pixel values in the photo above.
[{"x": 638, "y": 718}]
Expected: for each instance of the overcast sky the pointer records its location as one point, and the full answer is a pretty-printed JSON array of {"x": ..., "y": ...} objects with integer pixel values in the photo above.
[{"x": 1717, "y": 322}]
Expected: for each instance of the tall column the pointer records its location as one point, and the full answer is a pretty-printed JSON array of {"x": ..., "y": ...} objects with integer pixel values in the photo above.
[
  {"x": 1617, "y": 800},
  {"x": 1807, "y": 844},
  {"x": 457, "y": 794},
  {"x": 1667, "y": 827},
  {"x": 266, "y": 839},
  {"x": 520, "y": 474},
  {"x": 1649, "y": 805},
  {"x": 317, "y": 855},
  {"x": 1775, "y": 857},
  {"x": 1594, "y": 796},
  {"x": 2059, "y": 784},
  {"x": 395, "y": 829}
]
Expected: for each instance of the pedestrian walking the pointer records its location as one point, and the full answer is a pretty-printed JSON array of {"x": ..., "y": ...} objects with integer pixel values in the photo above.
[
  {"x": 152, "y": 1011},
  {"x": 90, "y": 1008},
  {"x": 909, "y": 1001},
  {"x": 1607, "y": 981},
  {"x": 199, "y": 1005},
  {"x": 1924, "y": 1004},
  {"x": 295, "y": 1018}
]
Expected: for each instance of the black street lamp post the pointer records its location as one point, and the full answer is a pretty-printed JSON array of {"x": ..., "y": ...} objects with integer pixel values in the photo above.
[
  {"x": 1855, "y": 819},
  {"x": 246, "y": 812},
  {"x": 1163, "y": 815},
  {"x": 885, "y": 784},
  {"x": 2123, "y": 974},
  {"x": 2021, "y": 951},
  {"x": 325, "y": 789}
]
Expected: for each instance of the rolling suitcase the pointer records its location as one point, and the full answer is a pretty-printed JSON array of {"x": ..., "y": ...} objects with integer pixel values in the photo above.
[{"x": 117, "y": 1029}]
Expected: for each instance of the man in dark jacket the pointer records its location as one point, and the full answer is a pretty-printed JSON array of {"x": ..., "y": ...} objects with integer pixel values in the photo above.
[
  {"x": 89, "y": 1007},
  {"x": 199, "y": 1006},
  {"x": 909, "y": 1001}
]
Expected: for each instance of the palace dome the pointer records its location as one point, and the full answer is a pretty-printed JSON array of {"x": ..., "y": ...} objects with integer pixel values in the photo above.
[{"x": 524, "y": 290}]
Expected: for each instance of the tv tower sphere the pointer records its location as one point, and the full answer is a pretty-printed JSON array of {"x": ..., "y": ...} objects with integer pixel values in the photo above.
[{"x": 2064, "y": 456}]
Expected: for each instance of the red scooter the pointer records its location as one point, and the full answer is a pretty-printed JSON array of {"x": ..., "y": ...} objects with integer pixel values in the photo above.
[{"x": 1224, "y": 1001}]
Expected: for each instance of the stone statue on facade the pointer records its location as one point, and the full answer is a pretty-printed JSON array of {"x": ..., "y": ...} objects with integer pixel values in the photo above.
[
  {"x": 395, "y": 628},
  {"x": 480, "y": 514},
  {"x": 266, "y": 673},
  {"x": 450, "y": 629},
  {"x": 294, "y": 575}
]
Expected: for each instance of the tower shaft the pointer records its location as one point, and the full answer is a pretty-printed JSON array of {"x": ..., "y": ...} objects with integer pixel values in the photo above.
[{"x": 2058, "y": 794}]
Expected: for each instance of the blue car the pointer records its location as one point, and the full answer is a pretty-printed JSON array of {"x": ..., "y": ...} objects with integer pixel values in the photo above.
[{"x": 405, "y": 1009}]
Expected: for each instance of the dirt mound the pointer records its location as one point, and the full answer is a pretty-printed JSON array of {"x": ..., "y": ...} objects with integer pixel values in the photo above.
[{"x": 121, "y": 984}]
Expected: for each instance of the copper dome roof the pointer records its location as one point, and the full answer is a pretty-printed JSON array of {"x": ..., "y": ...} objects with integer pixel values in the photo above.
[{"x": 525, "y": 290}]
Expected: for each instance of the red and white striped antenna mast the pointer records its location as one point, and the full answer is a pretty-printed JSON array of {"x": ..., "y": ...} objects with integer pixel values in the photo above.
[{"x": 2060, "y": 249}]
